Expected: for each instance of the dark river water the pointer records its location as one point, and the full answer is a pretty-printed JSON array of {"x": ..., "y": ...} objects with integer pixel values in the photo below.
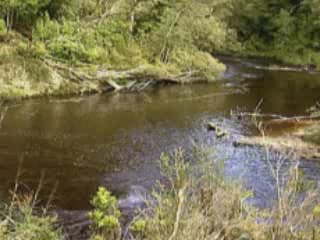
[{"x": 115, "y": 140}]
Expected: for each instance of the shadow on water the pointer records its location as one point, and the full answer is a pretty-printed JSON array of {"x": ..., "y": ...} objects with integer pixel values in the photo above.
[{"x": 115, "y": 140}]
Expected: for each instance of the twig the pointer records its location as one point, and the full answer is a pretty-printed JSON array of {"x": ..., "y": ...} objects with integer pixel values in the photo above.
[
  {"x": 258, "y": 106},
  {"x": 52, "y": 193},
  {"x": 16, "y": 186},
  {"x": 40, "y": 185}
]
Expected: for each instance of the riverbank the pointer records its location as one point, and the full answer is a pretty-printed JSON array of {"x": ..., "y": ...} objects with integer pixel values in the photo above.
[
  {"x": 299, "y": 137},
  {"x": 270, "y": 63},
  {"x": 307, "y": 61},
  {"x": 26, "y": 70}
]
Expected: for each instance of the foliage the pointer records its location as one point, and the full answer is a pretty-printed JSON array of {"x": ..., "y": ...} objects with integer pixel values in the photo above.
[
  {"x": 2, "y": 26},
  {"x": 21, "y": 12},
  {"x": 197, "y": 64},
  {"x": 199, "y": 202},
  {"x": 138, "y": 228},
  {"x": 20, "y": 220},
  {"x": 105, "y": 216},
  {"x": 173, "y": 39},
  {"x": 285, "y": 30},
  {"x": 23, "y": 73},
  {"x": 133, "y": 33}
]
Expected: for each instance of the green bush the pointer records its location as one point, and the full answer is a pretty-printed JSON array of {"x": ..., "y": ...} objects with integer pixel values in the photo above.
[
  {"x": 46, "y": 29},
  {"x": 197, "y": 64},
  {"x": 105, "y": 216},
  {"x": 3, "y": 27},
  {"x": 104, "y": 43},
  {"x": 36, "y": 50}
]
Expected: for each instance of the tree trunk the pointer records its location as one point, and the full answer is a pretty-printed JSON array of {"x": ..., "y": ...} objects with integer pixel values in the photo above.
[
  {"x": 132, "y": 16},
  {"x": 9, "y": 19}
]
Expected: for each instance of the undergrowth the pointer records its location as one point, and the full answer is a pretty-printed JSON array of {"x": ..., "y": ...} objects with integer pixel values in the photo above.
[
  {"x": 21, "y": 217},
  {"x": 198, "y": 202}
]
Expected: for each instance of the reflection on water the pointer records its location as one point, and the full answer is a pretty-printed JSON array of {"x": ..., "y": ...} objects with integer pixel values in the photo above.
[{"x": 115, "y": 140}]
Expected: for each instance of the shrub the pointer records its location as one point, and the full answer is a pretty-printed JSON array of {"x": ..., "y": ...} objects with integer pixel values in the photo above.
[
  {"x": 105, "y": 216},
  {"x": 26, "y": 222},
  {"x": 46, "y": 29},
  {"x": 199, "y": 202},
  {"x": 197, "y": 64}
]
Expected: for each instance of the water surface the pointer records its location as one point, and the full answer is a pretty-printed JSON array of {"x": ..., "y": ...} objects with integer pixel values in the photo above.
[{"x": 115, "y": 140}]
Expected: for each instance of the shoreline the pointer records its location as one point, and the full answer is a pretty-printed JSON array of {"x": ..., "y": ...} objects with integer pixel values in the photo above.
[{"x": 132, "y": 81}]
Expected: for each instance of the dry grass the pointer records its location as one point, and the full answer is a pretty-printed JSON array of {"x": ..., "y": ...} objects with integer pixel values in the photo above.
[
  {"x": 22, "y": 219},
  {"x": 284, "y": 144},
  {"x": 201, "y": 204}
]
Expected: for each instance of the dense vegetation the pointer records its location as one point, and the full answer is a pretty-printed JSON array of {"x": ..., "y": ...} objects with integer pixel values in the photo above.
[
  {"x": 287, "y": 30},
  {"x": 46, "y": 43},
  {"x": 102, "y": 40}
]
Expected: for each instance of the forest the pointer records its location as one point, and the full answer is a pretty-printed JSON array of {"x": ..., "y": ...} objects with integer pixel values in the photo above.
[{"x": 88, "y": 45}]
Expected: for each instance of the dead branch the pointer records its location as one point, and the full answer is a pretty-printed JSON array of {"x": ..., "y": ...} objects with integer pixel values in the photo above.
[
  {"x": 115, "y": 85},
  {"x": 276, "y": 117},
  {"x": 139, "y": 79}
]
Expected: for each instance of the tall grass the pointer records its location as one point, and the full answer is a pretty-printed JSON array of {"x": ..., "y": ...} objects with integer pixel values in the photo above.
[
  {"x": 206, "y": 205},
  {"x": 22, "y": 219},
  {"x": 198, "y": 202}
]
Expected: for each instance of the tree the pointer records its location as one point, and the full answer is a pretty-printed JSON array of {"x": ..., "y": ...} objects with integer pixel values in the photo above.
[{"x": 18, "y": 11}]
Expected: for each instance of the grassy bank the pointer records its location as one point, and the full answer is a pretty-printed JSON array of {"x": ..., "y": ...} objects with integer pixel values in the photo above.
[
  {"x": 22, "y": 220},
  {"x": 27, "y": 69},
  {"x": 199, "y": 202},
  {"x": 23, "y": 76},
  {"x": 56, "y": 47}
]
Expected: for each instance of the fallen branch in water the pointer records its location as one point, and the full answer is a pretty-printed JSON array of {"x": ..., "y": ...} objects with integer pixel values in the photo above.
[
  {"x": 287, "y": 145},
  {"x": 139, "y": 78},
  {"x": 277, "y": 117}
]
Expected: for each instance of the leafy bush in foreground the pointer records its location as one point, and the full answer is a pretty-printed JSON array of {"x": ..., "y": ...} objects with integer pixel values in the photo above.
[{"x": 105, "y": 216}]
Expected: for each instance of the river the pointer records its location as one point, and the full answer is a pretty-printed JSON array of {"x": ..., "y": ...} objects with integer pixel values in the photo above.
[{"x": 115, "y": 140}]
